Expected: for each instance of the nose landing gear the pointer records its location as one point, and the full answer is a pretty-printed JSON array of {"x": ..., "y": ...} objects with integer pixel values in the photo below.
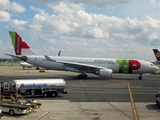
[{"x": 140, "y": 77}]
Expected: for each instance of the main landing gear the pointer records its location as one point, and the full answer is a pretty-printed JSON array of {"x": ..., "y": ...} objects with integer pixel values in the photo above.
[
  {"x": 140, "y": 77},
  {"x": 37, "y": 68},
  {"x": 23, "y": 68},
  {"x": 82, "y": 76}
]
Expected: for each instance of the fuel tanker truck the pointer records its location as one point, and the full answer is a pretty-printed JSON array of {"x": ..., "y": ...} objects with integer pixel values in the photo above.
[{"x": 34, "y": 87}]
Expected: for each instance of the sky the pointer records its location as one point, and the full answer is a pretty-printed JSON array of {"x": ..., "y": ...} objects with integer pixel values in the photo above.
[{"x": 127, "y": 29}]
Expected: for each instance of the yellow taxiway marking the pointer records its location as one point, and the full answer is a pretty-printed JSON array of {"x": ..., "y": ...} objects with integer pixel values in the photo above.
[{"x": 132, "y": 104}]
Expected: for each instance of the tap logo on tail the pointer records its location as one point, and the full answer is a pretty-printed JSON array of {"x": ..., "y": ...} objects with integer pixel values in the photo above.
[{"x": 20, "y": 46}]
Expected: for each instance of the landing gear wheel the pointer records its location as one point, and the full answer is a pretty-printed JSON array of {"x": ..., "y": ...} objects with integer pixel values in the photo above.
[
  {"x": 140, "y": 77},
  {"x": 37, "y": 68},
  {"x": 157, "y": 102},
  {"x": 85, "y": 76},
  {"x": 11, "y": 112},
  {"x": 45, "y": 94},
  {"x": 79, "y": 76},
  {"x": 54, "y": 94}
]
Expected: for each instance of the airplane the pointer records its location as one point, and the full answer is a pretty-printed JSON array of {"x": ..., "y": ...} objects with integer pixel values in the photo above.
[
  {"x": 25, "y": 64},
  {"x": 104, "y": 67},
  {"x": 157, "y": 55}
]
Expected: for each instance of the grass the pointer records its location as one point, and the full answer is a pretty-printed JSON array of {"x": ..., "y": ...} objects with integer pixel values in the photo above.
[{"x": 9, "y": 64}]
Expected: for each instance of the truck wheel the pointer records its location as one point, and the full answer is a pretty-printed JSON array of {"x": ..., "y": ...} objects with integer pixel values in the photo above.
[
  {"x": 54, "y": 94},
  {"x": 157, "y": 102},
  {"x": 45, "y": 94},
  {"x": 11, "y": 112}
]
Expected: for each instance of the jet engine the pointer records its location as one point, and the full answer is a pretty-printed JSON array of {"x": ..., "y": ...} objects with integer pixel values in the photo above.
[{"x": 104, "y": 72}]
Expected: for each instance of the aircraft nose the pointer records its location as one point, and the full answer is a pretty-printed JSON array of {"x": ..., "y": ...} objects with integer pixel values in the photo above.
[{"x": 156, "y": 68}]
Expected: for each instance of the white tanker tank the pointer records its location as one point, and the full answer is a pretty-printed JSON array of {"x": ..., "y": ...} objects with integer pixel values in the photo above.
[{"x": 36, "y": 87}]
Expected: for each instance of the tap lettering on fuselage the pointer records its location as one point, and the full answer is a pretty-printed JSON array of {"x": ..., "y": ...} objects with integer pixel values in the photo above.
[{"x": 104, "y": 61}]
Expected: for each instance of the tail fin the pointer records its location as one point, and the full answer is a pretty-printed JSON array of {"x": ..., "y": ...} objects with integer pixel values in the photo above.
[
  {"x": 157, "y": 54},
  {"x": 20, "y": 46}
]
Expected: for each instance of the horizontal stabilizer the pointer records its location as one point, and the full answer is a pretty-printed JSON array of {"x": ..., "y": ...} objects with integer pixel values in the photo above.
[{"x": 24, "y": 58}]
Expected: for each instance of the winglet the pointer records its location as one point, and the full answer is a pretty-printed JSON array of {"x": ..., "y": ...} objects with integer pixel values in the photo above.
[{"x": 49, "y": 59}]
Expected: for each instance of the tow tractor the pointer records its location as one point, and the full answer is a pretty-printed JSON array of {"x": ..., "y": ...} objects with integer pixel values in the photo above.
[{"x": 15, "y": 105}]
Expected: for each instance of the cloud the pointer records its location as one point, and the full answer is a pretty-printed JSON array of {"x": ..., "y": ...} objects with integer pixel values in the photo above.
[
  {"x": 11, "y": 6},
  {"x": 39, "y": 10},
  {"x": 74, "y": 21},
  {"x": 97, "y": 3},
  {"x": 17, "y": 24},
  {"x": 1, "y": 43},
  {"x": 74, "y": 29},
  {"x": 15, "y": 7},
  {"x": 101, "y": 3},
  {"x": 155, "y": 2},
  {"x": 4, "y": 4},
  {"x": 6, "y": 7},
  {"x": 4, "y": 16},
  {"x": 52, "y": 41},
  {"x": 65, "y": 8}
]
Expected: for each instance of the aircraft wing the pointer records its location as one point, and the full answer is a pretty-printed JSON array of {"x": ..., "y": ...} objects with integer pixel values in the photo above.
[{"x": 75, "y": 65}]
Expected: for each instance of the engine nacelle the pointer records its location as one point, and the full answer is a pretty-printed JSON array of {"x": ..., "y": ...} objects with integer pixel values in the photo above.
[{"x": 104, "y": 72}]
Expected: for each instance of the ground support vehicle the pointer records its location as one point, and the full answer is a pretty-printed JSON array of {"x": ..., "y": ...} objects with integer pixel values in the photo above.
[
  {"x": 34, "y": 87},
  {"x": 1, "y": 114},
  {"x": 14, "y": 105},
  {"x": 33, "y": 103},
  {"x": 14, "y": 108}
]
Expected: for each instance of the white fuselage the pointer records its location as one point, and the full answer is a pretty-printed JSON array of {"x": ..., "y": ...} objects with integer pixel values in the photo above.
[{"x": 117, "y": 65}]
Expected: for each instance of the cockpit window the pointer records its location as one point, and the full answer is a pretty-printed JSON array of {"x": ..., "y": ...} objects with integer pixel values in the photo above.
[{"x": 151, "y": 64}]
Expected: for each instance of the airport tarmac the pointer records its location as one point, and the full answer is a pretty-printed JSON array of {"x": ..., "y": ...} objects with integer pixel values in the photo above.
[{"x": 94, "y": 98}]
